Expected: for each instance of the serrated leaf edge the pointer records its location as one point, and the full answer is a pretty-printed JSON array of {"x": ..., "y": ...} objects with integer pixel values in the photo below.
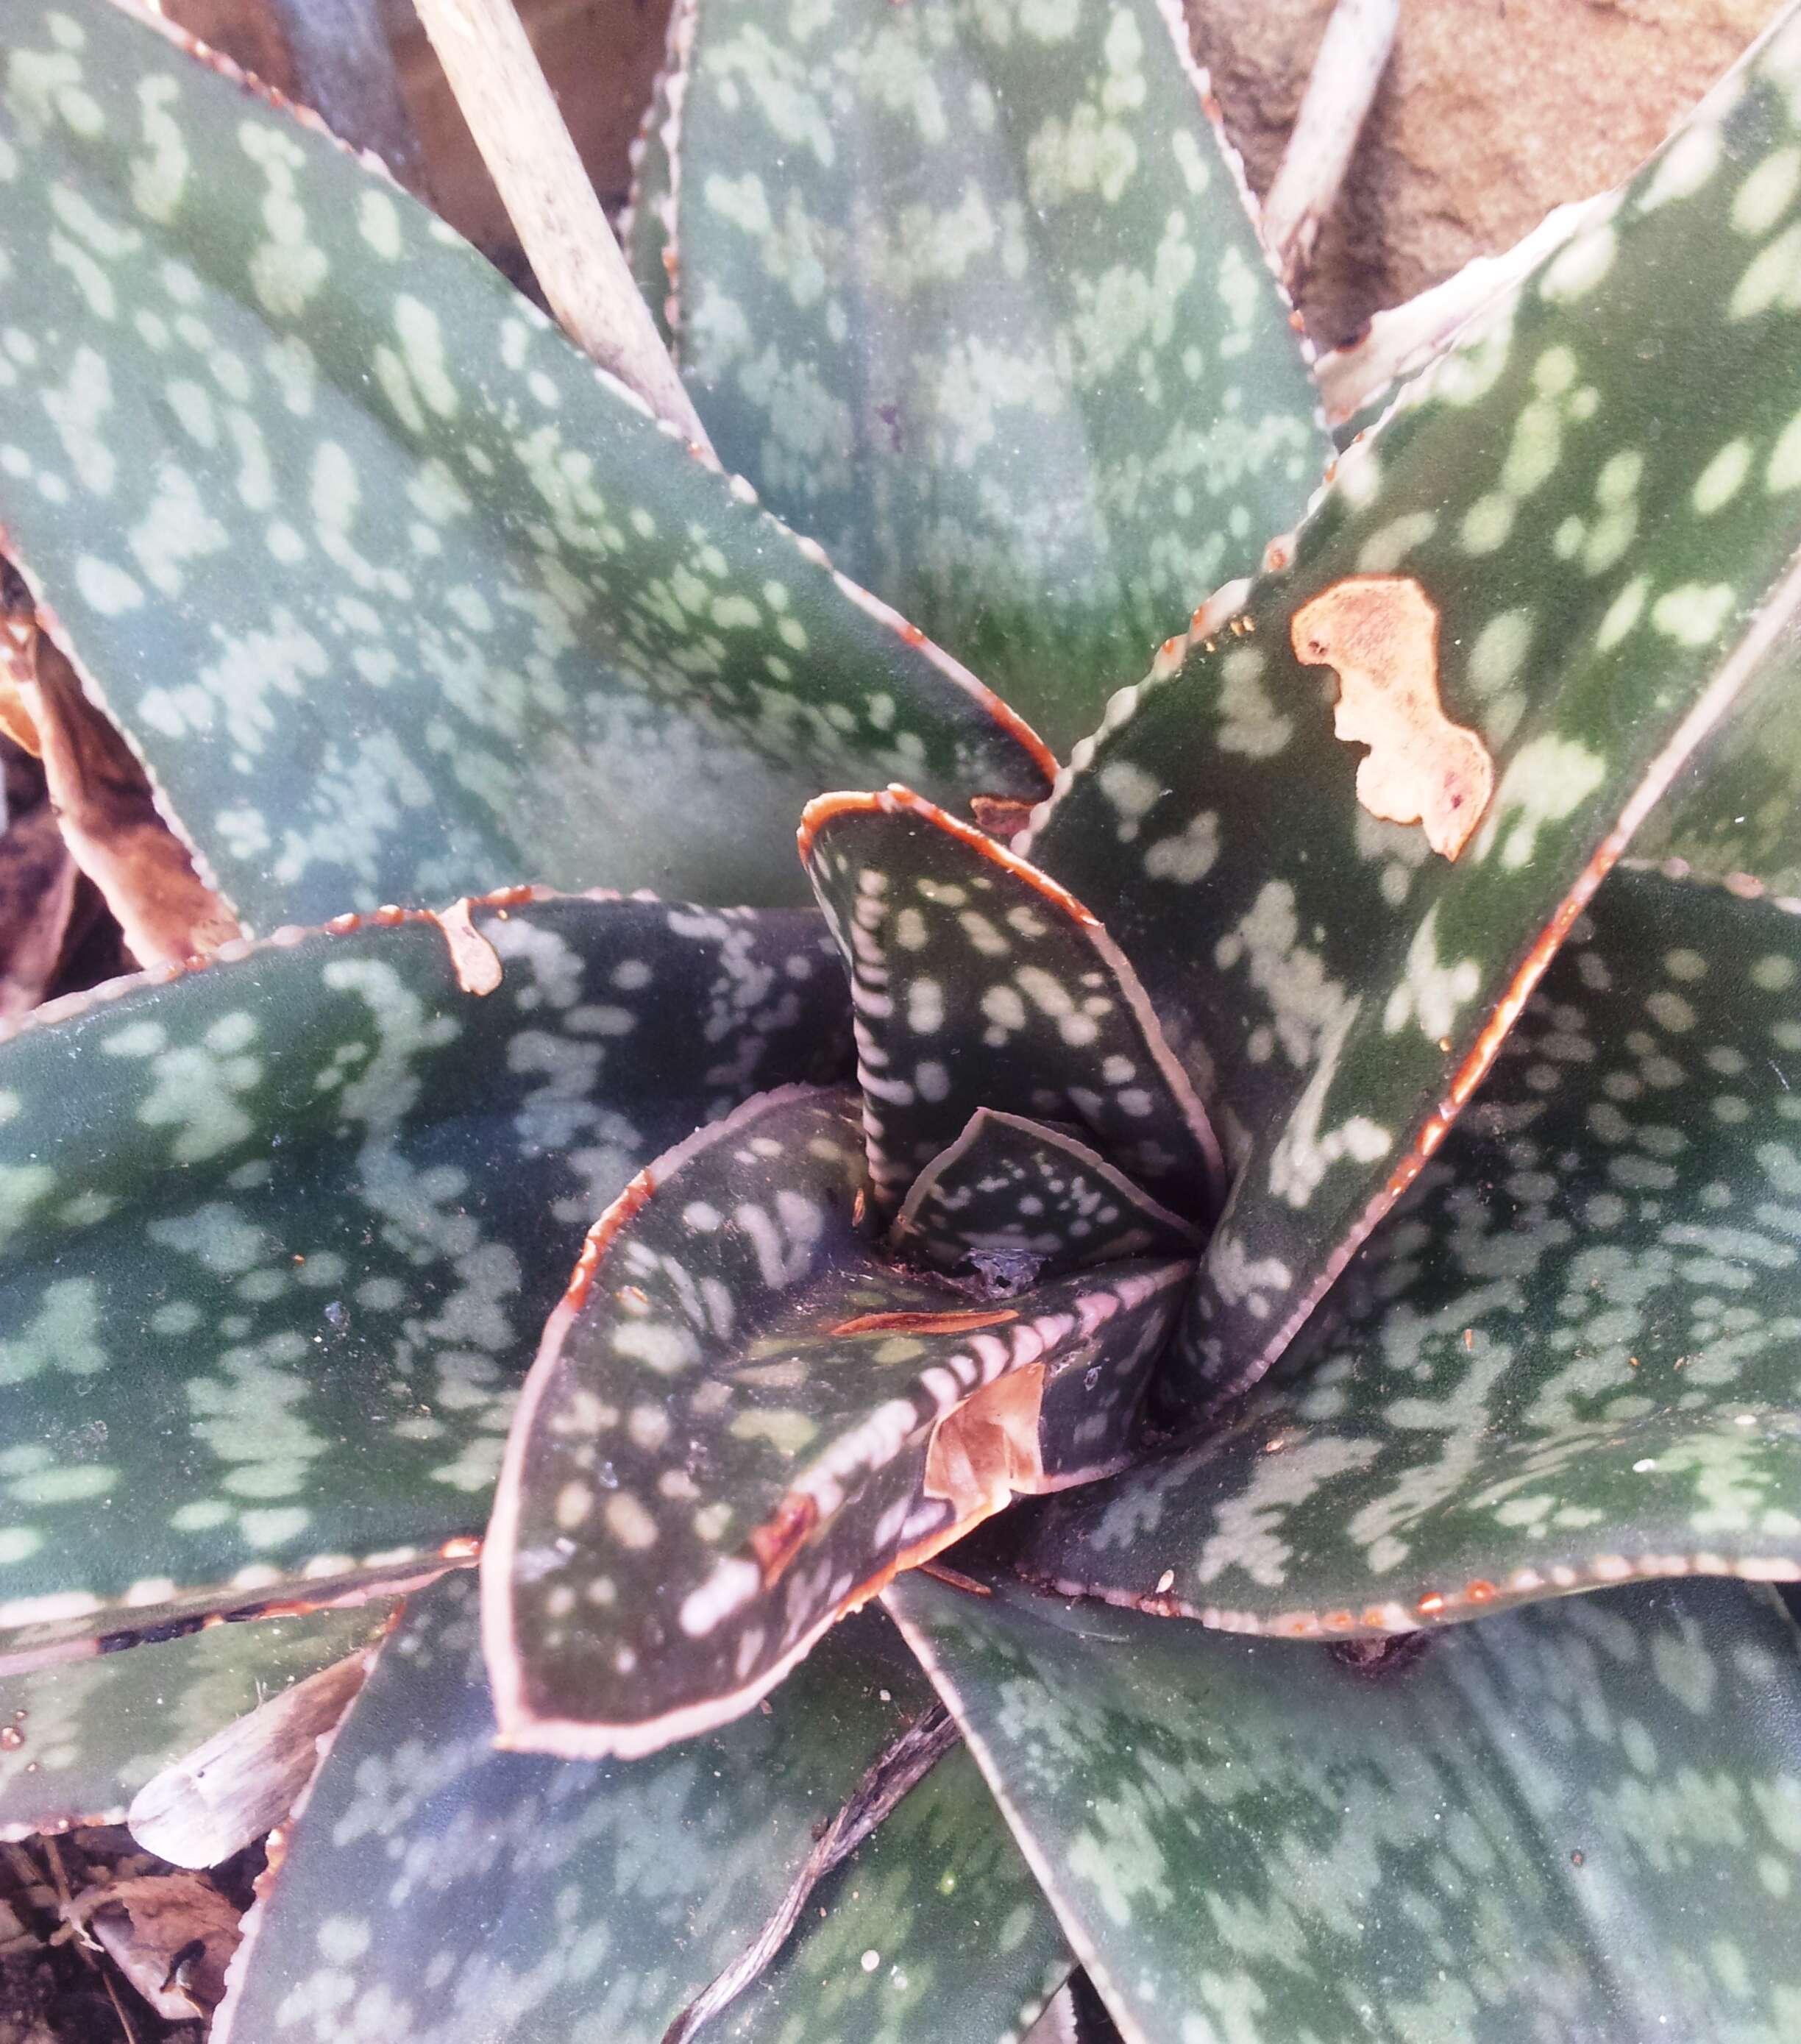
[
  {"x": 1477, "y": 1598},
  {"x": 669, "y": 88}
]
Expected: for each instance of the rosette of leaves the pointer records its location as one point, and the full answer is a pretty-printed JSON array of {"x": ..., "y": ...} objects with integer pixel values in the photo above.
[{"x": 1332, "y": 1140}]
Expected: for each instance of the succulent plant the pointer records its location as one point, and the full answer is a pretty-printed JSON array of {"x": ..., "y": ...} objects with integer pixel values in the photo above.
[{"x": 1292, "y": 1140}]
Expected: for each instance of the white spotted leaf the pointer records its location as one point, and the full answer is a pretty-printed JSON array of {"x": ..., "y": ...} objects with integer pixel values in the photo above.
[
  {"x": 266, "y": 1315},
  {"x": 972, "y": 293},
  {"x": 1548, "y": 566},
  {"x": 1575, "y": 1821},
  {"x": 743, "y": 1419},
  {"x": 397, "y": 595},
  {"x": 1571, "y": 1355},
  {"x": 978, "y": 983},
  {"x": 1012, "y": 1200},
  {"x": 81, "y": 1736},
  {"x": 610, "y": 1893}
]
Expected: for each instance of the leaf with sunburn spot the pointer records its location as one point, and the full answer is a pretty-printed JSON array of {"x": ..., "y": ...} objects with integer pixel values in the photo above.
[
  {"x": 707, "y": 1469},
  {"x": 1572, "y": 1355},
  {"x": 1611, "y": 563}
]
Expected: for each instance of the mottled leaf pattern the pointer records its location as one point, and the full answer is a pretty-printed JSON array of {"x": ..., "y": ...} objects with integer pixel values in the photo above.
[
  {"x": 645, "y": 226},
  {"x": 607, "y": 1894},
  {"x": 1605, "y": 560},
  {"x": 970, "y": 291},
  {"x": 978, "y": 983},
  {"x": 79, "y": 1738},
  {"x": 1011, "y": 1200},
  {"x": 1734, "y": 811},
  {"x": 1579, "y": 1821},
  {"x": 739, "y": 1425},
  {"x": 273, "y": 1268},
  {"x": 1573, "y": 1353},
  {"x": 397, "y": 594},
  {"x": 966, "y": 1947}
]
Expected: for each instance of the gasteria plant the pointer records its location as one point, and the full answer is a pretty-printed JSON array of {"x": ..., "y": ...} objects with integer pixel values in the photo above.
[{"x": 1092, "y": 1136}]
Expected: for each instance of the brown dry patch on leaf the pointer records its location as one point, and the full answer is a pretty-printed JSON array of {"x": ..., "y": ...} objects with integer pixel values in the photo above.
[
  {"x": 1380, "y": 632},
  {"x": 922, "y": 1323},
  {"x": 475, "y": 961},
  {"x": 110, "y": 818},
  {"x": 1001, "y": 816},
  {"x": 988, "y": 1449},
  {"x": 784, "y": 1534}
]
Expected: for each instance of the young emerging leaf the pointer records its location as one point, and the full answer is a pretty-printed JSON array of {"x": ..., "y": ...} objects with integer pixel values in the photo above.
[
  {"x": 1010, "y": 1202},
  {"x": 978, "y": 983},
  {"x": 264, "y": 1315},
  {"x": 971, "y": 292},
  {"x": 1569, "y": 1358},
  {"x": 1573, "y": 1822},
  {"x": 608, "y": 1895},
  {"x": 1551, "y": 558},
  {"x": 395, "y": 593},
  {"x": 743, "y": 1421}
]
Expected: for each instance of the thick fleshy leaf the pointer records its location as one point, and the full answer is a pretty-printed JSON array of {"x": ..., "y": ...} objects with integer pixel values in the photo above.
[
  {"x": 608, "y": 1895},
  {"x": 79, "y": 1738},
  {"x": 1537, "y": 584},
  {"x": 273, "y": 1268},
  {"x": 972, "y": 294},
  {"x": 1573, "y": 1352},
  {"x": 646, "y": 226},
  {"x": 1734, "y": 811},
  {"x": 743, "y": 1421},
  {"x": 1010, "y": 1202},
  {"x": 1579, "y": 1821},
  {"x": 396, "y": 593},
  {"x": 965, "y": 1947},
  {"x": 978, "y": 983}
]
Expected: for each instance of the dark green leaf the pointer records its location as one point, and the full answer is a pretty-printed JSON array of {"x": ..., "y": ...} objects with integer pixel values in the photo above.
[
  {"x": 1012, "y": 1200},
  {"x": 275, "y": 1265},
  {"x": 645, "y": 226},
  {"x": 971, "y": 292},
  {"x": 1554, "y": 539},
  {"x": 397, "y": 594},
  {"x": 742, "y": 1421},
  {"x": 1735, "y": 809},
  {"x": 1573, "y": 1352},
  {"x": 1579, "y": 1821},
  {"x": 437, "y": 1892},
  {"x": 79, "y": 1738},
  {"x": 979, "y": 983},
  {"x": 966, "y": 1947}
]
